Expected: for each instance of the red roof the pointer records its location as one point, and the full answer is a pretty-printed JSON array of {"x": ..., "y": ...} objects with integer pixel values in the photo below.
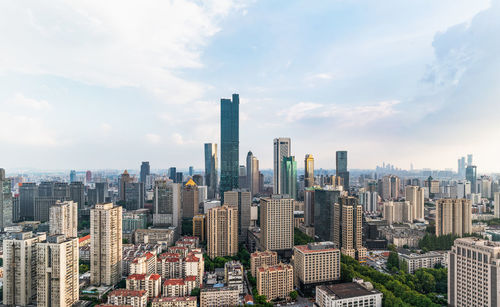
[
  {"x": 87, "y": 237},
  {"x": 192, "y": 259},
  {"x": 248, "y": 298},
  {"x": 174, "y": 299},
  {"x": 190, "y": 278},
  {"x": 174, "y": 282},
  {"x": 155, "y": 276},
  {"x": 137, "y": 276},
  {"x": 306, "y": 249},
  {"x": 149, "y": 255},
  {"x": 125, "y": 292}
]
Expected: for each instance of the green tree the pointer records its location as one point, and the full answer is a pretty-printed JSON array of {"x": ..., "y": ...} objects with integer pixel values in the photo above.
[
  {"x": 300, "y": 238},
  {"x": 293, "y": 295},
  {"x": 83, "y": 268},
  {"x": 393, "y": 261},
  {"x": 195, "y": 292}
]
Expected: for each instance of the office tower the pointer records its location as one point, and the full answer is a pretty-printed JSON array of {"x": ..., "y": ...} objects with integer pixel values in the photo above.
[
  {"x": 415, "y": 195},
  {"x": 275, "y": 281},
  {"x": 469, "y": 159},
  {"x": 145, "y": 172},
  {"x": 453, "y": 216},
  {"x": 282, "y": 148},
  {"x": 211, "y": 169},
  {"x": 242, "y": 177},
  {"x": 88, "y": 176},
  {"x": 289, "y": 177},
  {"x": 461, "y": 167},
  {"x": 19, "y": 268},
  {"x": 179, "y": 177},
  {"x": 341, "y": 168},
  {"x": 258, "y": 259},
  {"x": 198, "y": 179},
  {"x": 124, "y": 179},
  {"x": 323, "y": 213},
  {"x": 46, "y": 189},
  {"x": 200, "y": 227},
  {"x": 77, "y": 193},
  {"x": 172, "y": 173},
  {"x": 222, "y": 231},
  {"x": 6, "y": 206},
  {"x": 398, "y": 212},
  {"x": 389, "y": 187},
  {"x": 167, "y": 204},
  {"x": 309, "y": 171},
  {"x": 57, "y": 271},
  {"x": 190, "y": 200},
  {"x": 230, "y": 141},
  {"x": 496, "y": 204},
  {"x": 276, "y": 223},
  {"x": 102, "y": 192},
  {"x": 347, "y": 227},
  {"x": 309, "y": 207},
  {"x": 134, "y": 195},
  {"x": 315, "y": 263},
  {"x": 471, "y": 176},
  {"x": 242, "y": 200},
  {"x": 72, "y": 176},
  {"x": 63, "y": 219},
  {"x": 27, "y": 194},
  {"x": 253, "y": 177},
  {"x": 106, "y": 244},
  {"x": 473, "y": 269}
]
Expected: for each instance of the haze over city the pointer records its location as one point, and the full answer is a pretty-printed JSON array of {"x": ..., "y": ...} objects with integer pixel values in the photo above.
[{"x": 103, "y": 85}]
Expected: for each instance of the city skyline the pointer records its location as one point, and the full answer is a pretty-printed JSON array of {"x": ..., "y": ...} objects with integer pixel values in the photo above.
[{"x": 401, "y": 93}]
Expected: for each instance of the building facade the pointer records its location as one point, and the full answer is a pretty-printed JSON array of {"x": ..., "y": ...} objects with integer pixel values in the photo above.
[
  {"x": 453, "y": 216},
  {"x": 222, "y": 231},
  {"x": 275, "y": 281},
  {"x": 276, "y": 223},
  {"x": 242, "y": 200},
  {"x": 63, "y": 219},
  {"x": 211, "y": 170},
  {"x": 282, "y": 148},
  {"x": 230, "y": 142},
  {"x": 105, "y": 244},
  {"x": 57, "y": 271},
  {"x": 258, "y": 259}
]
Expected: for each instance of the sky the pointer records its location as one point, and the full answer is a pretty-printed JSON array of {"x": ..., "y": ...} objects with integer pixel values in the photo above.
[{"x": 108, "y": 84}]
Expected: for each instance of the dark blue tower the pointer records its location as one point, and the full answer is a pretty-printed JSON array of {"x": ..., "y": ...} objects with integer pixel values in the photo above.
[{"x": 230, "y": 141}]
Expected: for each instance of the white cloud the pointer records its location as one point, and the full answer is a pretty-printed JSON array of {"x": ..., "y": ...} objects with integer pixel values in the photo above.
[
  {"x": 153, "y": 138},
  {"x": 19, "y": 100},
  {"x": 342, "y": 114},
  {"x": 112, "y": 43},
  {"x": 25, "y": 130}
]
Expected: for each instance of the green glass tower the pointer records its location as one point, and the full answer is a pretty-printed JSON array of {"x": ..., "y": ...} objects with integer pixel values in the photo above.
[
  {"x": 230, "y": 140},
  {"x": 289, "y": 180}
]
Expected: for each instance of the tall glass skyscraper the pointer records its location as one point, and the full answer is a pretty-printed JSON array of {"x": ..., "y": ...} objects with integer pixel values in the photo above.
[
  {"x": 289, "y": 180},
  {"x": 230, "y": 141},
  {"x": 211, "y": 169},
  {"x": 145, "y": 171},
  {"x": 341, "y": 168},
  {"x": 471, "y": 176}
]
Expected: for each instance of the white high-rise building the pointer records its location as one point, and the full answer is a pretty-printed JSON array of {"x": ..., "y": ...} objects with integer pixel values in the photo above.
[
  {"x": 415, "y": 195},
  {"x": 276, "y": 222},
  {"x": 167, "y": 201},
  {"x": 19, "y": 268},
  {"x": 473, "y": 270},
  {"x": 282, "y": 148},
  {"x": 57, "y": 271},
  {"x": 105, "y": 244},
  {"x": 496, "y": 203},
  {"x": 63, "y": 219}
]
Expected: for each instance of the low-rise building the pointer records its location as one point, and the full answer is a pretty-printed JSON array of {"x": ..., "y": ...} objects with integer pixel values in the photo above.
[
  {"x": 257, "y": 259},
  {"x": 233, "y": 274},
  {"x": 179, "y": 286},
  {"x": 134, "y": 298},
  {"x": 154, "y": 236},
  {"x": 316, "y": 263},
  {"x": 275, "y": 281},
  {"x": 144, "y": 264},
  {"x": 357, "y": 293},
  {"x": 184, "y": 301},
  {"x": 416, "y": 261},
  {"x": 148, "y": 282},
  {"x": 219, "y": 297}
]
